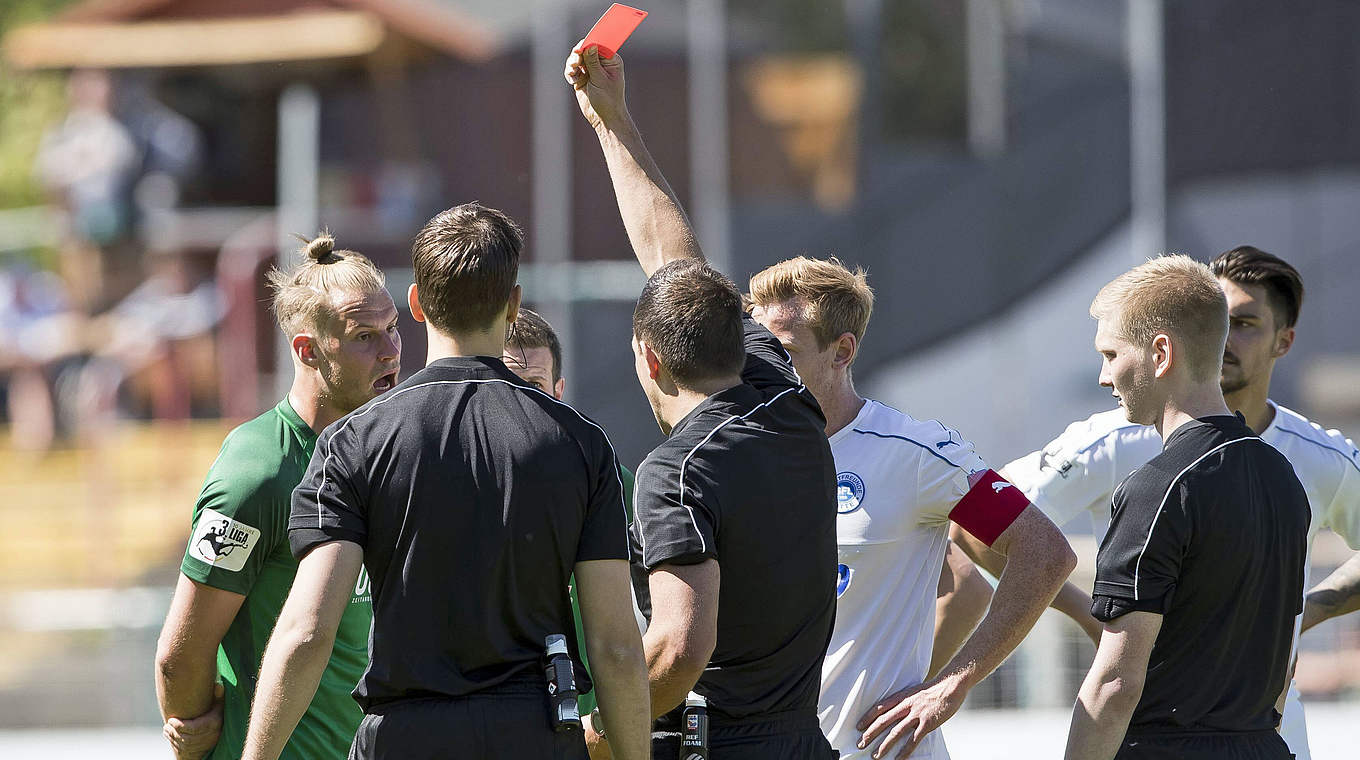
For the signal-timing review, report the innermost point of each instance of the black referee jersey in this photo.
(1211, 533)
(473, 495)
(747, 479)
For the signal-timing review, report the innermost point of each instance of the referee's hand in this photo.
(193, 738)
(598, 83)
(908, 715)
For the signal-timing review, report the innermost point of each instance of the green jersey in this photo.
(239, 543)
(587, 701)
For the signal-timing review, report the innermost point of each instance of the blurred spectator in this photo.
(168, 145)
(74, 345)
(155, 348)
(38, 334)
(89, 161)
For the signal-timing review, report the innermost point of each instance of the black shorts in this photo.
(1252, 745)
(510, 722)
(783, 736)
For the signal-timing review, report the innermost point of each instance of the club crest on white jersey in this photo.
(849, 492)
(222, 542)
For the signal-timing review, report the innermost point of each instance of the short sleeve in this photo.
(1077, 473)
(238, 521)
(1139, 562)
(671, 521)
(942, 474)
(605, 532)
(328, 505)
(768, 366)
(955, 484)
(1343, 514)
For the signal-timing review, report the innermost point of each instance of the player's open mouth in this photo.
(385, 382)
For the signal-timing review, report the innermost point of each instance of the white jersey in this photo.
(1078, 471)
(897, 481)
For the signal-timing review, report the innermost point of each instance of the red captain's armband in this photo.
(989, 507)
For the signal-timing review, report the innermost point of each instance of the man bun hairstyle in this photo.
(1175, 295)
(304, 296)
(838, 299)
(531, 330)
(690, 314)
(466, 262)
(1248, 265)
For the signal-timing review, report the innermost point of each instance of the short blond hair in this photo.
(1173, 295)
(838, 300)
(304, 296)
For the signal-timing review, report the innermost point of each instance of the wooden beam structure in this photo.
(312, 35)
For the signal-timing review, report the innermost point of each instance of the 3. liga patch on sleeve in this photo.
(221, 541)
(989, 507)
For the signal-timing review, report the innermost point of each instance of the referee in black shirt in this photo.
(471, 497)
(735, 512)
(1200, 576)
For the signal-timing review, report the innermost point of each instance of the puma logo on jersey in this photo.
(949, 442)
(997, 485)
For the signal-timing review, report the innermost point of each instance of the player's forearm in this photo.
(620, 674)
(1336, 595)
(1076, 604)
(658, 229)
(184, 682)
(981, 554)
(1028, 583)
(1070, 600)
(958, 610)
(289, 674)
(1100, 719)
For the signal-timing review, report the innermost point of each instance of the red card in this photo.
(613, 29)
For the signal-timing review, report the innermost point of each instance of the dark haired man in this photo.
(1078, 471)
(534, 352)
(736, 510)
(471, 498)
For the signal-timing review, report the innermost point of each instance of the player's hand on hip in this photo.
(598, 83)
(903, 718)
(193, 738)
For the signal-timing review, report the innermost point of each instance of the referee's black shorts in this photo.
(781, 736)
(509, 722)
(1247, 745)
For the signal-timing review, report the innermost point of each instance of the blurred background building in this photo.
(990, 162)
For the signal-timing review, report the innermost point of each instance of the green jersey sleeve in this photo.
(238, 522)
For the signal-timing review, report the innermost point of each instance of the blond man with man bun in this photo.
(342, 330)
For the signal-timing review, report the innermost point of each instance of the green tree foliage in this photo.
(29, 103)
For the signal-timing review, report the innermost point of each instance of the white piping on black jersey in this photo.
(1171, 486)
(684, 464)
(393, 394)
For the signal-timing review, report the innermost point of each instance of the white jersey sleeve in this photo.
(1328, 465)
(1343, 513)
(943, 477)
(1078, 471)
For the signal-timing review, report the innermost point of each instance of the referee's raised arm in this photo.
(657, 226)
